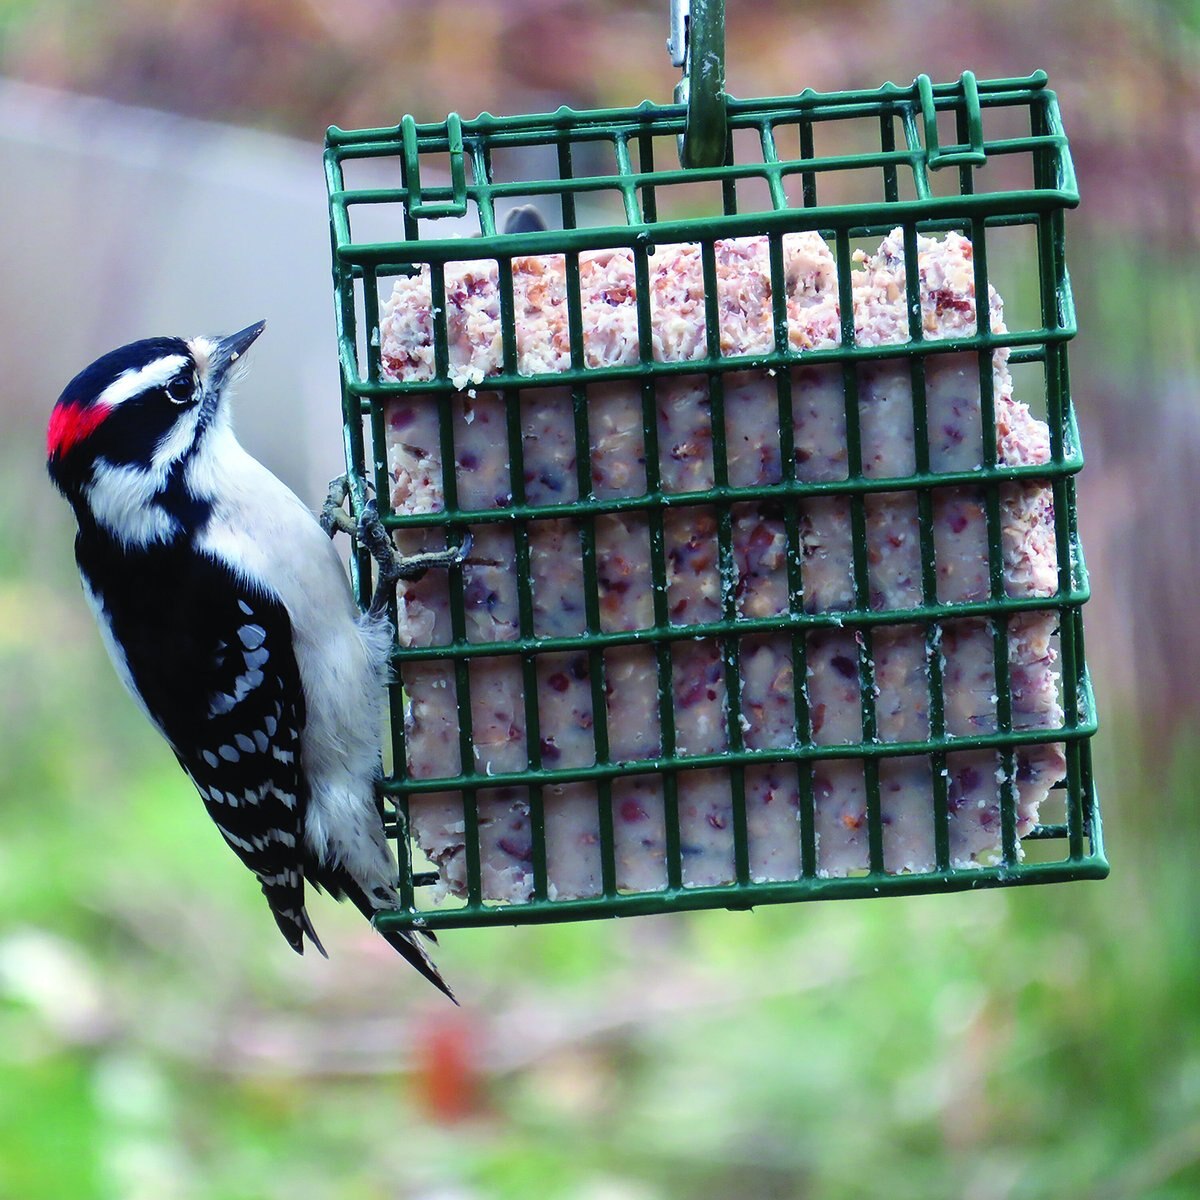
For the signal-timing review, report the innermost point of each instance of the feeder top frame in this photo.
(925, 111)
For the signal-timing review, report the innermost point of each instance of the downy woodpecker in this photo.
(228, 616)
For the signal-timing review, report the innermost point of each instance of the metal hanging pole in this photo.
(697, 44)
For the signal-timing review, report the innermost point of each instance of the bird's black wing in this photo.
(216, 669)
(245, 760)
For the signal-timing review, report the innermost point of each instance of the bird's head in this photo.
(125, 428)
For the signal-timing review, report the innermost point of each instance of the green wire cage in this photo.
(526, 743)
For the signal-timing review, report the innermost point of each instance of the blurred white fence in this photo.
(122, 223)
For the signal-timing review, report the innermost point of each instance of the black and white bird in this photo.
(228, 616)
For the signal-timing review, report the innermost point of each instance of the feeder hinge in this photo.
(697, 44)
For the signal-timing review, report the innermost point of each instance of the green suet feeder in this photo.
(626, 700)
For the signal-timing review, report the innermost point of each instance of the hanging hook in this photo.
(697, 44)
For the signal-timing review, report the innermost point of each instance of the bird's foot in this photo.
(334, 518)
(392, 565)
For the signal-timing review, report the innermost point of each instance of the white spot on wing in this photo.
(288, 878)
(252, 636)
(244, 684)
(229, 754)
(233, 839)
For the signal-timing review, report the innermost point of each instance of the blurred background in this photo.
(161, 167)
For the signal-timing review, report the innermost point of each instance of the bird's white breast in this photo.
(265, 533)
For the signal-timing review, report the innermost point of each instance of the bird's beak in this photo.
(228, 352)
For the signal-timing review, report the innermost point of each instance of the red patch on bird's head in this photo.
(71, 424)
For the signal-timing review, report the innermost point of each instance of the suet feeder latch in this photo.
(775, 584)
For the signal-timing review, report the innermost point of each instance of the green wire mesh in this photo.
(607, 177)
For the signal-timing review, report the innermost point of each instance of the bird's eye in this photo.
(181, 390)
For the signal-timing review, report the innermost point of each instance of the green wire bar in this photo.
(935, 153)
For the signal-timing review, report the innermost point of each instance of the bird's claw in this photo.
(334, 518)
(392, 565)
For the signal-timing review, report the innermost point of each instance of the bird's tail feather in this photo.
(339, 883)
(295, 926)
(307, 926)
(413, 952)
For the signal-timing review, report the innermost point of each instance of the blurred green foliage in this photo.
(158, 1039)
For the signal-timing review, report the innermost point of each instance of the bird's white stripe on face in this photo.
(177, 441)
(144, 379)
(124, 497)
(122, 500)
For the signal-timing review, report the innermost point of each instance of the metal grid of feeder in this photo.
(925, 161)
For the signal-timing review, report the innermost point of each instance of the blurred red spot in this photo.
(447, 1079)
